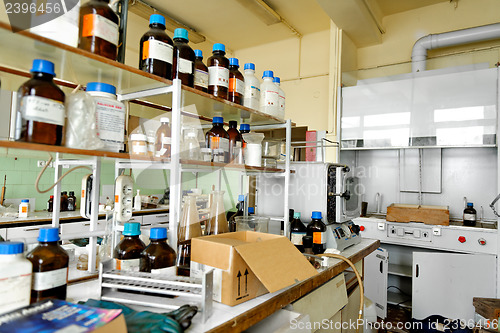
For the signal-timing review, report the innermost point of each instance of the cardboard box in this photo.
(248, 264)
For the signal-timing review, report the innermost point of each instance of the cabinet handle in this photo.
(382, 267)
(31, 229)
(417, 270)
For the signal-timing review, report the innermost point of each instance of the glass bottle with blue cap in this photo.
(41, 111)
(317, 229)
(200, 72)
(50, 267)
(156, 49)
(184, 57)
(127, 252)
(158, 255)
(236, 82)
(110, 115)
(218, 72)
(218, 138)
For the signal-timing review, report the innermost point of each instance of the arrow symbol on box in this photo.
(239, 280)
(246, 280)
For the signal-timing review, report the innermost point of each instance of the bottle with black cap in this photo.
(127, 252)
(158, 256)
(50, 267)
(156, 51)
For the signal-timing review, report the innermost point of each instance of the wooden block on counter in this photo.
(489, 308)
(438, 215)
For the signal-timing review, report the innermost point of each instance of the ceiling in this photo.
(236, 24)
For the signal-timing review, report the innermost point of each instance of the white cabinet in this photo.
(375, 280)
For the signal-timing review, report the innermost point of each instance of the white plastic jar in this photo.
(24, 208)
(281, 98)
(269, 95)
(138, 144)
(251, 98)
(110, 115)
(15, 277)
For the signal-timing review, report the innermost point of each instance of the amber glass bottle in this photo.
(71, 201)
(236, 82)
(156, 49)
(50, 267)
(158, 255)
(317, 229)
(218, 72)
(50, 204)
(64, 201)
(297, 231)
(217, 137)
(184, 57)
(163, 139)
(200, 72)
(189, 228)
(41, 104)
(235, 141)
(98, 29)
(128, 251)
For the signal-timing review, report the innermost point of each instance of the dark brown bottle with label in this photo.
(64, 201)
(317, 229)
(469, 216)
(236, 82)
(218, 72)
(127, 252)
(200, 72)
(98, 29)
(217, 137)
(41, 107)
(158, 255)
(71, 201)
(235, 141)
(184, 57)
(297, 231)
(50, 204)
(50, 267)
(156, 49)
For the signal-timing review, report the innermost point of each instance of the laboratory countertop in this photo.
(491, 225)
(240, 317)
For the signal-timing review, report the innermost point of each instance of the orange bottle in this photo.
(236, 82)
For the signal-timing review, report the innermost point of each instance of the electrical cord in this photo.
(402, 291)
(60, 178)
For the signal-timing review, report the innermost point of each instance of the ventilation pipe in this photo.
(452, 38)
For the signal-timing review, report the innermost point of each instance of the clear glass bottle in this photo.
(189, 228)
(191, 146)
(218, 72)
(158, 255)
(236, 89)
(470, 215)
(218, 222)
(317, 229)
(217, 137)
(235, 142)
(163, 139)
(127, 252)
(297, 231)
(184, 58)
(41, 106)
(156, 49)
(98, 29)
(200, 72)
(50, 267)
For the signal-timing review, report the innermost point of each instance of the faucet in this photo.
(377, 202)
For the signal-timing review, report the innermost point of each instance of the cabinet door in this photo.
(445, 283)
(375, 280)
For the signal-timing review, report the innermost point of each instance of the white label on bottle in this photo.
(218, 76)
(110, 120)
(104, 28)
(240, 87)
(296, 237)
(185, 66)
(50, 279)
(42, 109)
(252, 97)
(129, 265)
(165, 141)
(160, 50)
(201, 78)
(469, 217)
(165, 271)
(14, 292)
(224, 144)
(270, 98)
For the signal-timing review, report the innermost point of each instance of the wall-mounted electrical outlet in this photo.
(124, 186)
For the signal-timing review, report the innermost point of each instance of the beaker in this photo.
(218, 222)
(189, 227)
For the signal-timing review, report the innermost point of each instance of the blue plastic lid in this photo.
(219, 47)
(268, 74)
(181, 33)
(296, 215)
(101, 87)
(132, 229)
(11, 247)
(276, 80)
(48, 235)
(43, 66)
(234, 62)
(158, 233)
(244, 127)
(198, 53)
(249, 65)
(316, 216)
(217, 120)
(241, 197)
(157, 18)
(470, 204)
(251, 210)
(25, 200)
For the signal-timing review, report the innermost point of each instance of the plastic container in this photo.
(24, 208)
(110, 115)
(251, 97)
(189, 228)
(98, 29)
(252, 223)
(15, 277)
(253, 148)
(281, 99)
(183, 67)
(271, 149)
(41, 107)
(269, 95)
(127, 253)
(50, 267)
(191, 146)
(163, 143)
(217, 137)
(138, 144)
(470, 215)
(156, 49)
(236, 82)
(158, 257)
(218, 72)
(138, 201)
(200, 72)
(235, 143)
